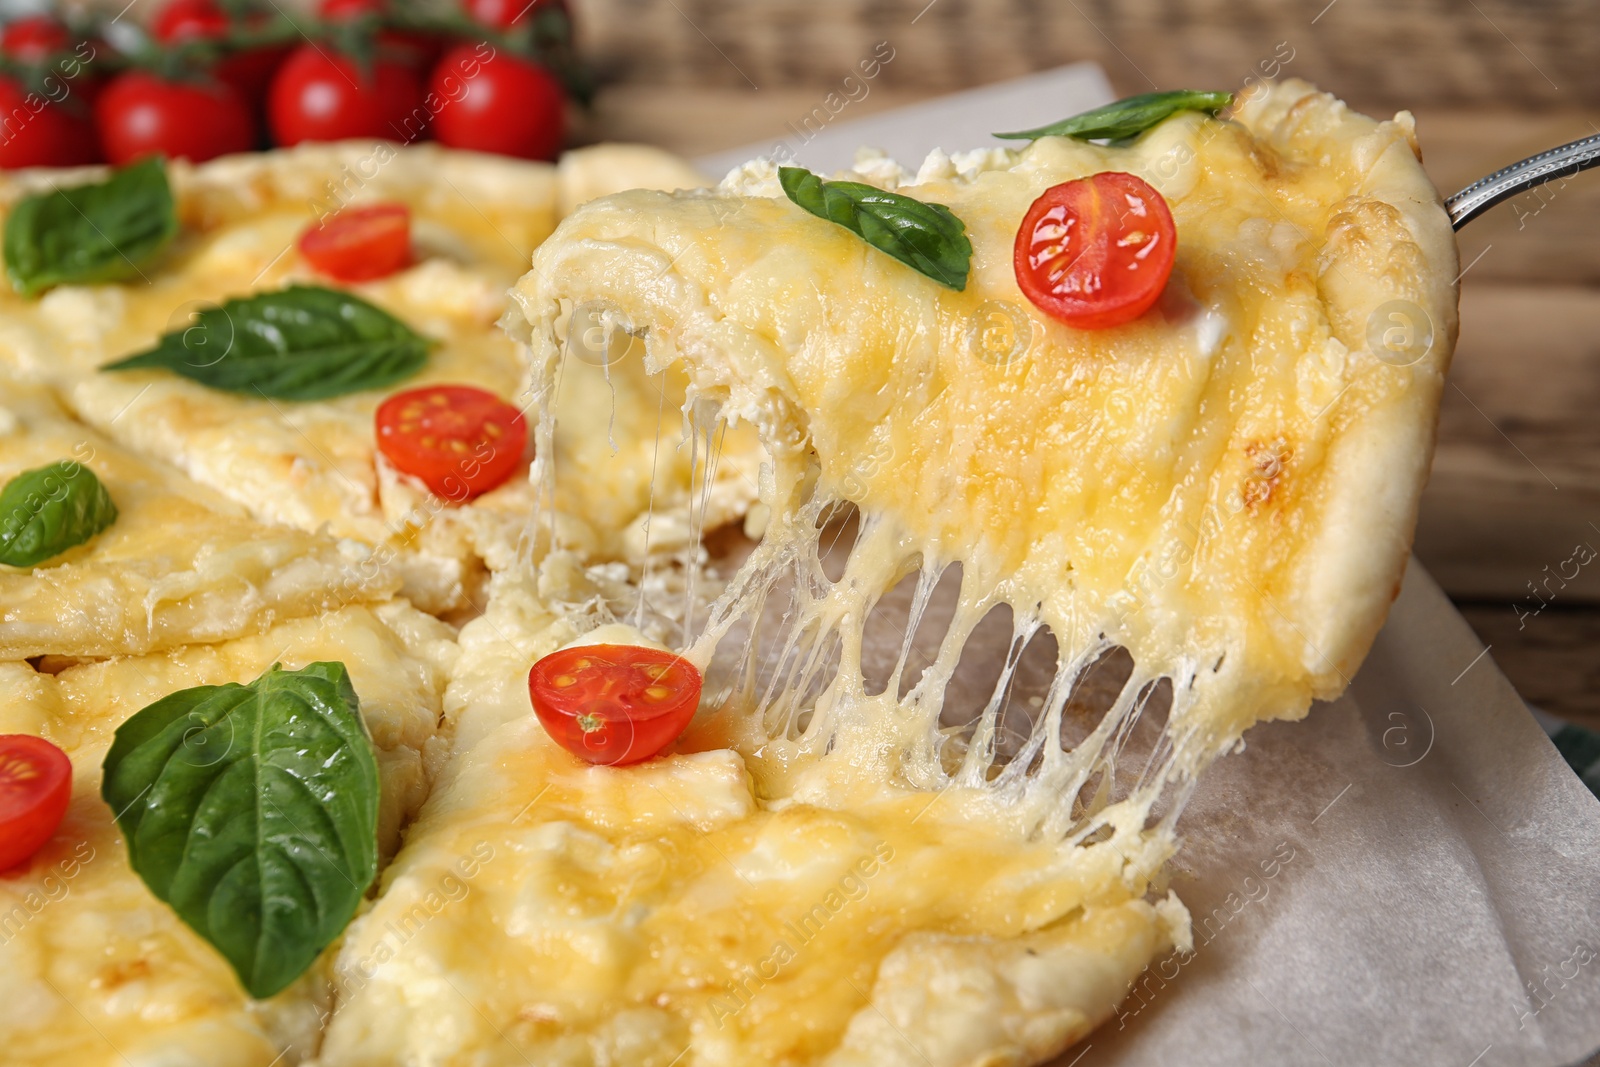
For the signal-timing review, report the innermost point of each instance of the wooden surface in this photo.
(1516, 482)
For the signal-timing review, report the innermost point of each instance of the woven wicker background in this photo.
(1382, 54)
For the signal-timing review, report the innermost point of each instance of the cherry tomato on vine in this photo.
(461, 441)
(350, 9)
(495, 102)
(506, 14)
(35, 132)
(614, 704)
(414, 48)
(319, 96)
(34, 38)
(140, 113)
(189, 20)
(35, 786)
(249, 70)
(1096, 251)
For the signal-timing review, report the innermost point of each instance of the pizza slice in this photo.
(898, 870)
(98, 970)
(179, 564)
(313, 464)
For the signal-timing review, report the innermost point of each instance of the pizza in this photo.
(894, 551)
(475, 222)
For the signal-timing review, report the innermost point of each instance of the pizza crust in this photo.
(1388, 241)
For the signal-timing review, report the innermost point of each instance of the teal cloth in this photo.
(1581, 749)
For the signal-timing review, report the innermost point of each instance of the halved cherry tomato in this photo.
(461, 441)
(1097, 251)
(35, 785)
(34, 38)
(359, 244)
(614, 704)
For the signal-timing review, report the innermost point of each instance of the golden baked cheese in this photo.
(96, 969)
(548, 911)
(181, 564)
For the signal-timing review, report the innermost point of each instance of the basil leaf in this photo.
(927, 237)
(1128, 117)
(47, 510)
(253, 811)
(301, 343)
(103, 232)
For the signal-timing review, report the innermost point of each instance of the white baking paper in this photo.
(1409, 876)
(954, 123)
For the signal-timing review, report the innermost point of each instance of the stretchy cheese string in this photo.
(794, 684)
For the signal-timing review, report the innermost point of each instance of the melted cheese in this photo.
(180, 564)
(96, 970)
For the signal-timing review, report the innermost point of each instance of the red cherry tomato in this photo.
(359, 244)
(336, 10)
(1097, 251)
(614, 704)
(249, 71)
(459, 440)
(504, 14)
(37, 133)
(35, 785)
(318, 96)
(495, 102)
(189, 20)
(34, 38)
(140, 113)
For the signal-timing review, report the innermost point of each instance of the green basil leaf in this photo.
(1128, 117)
(927, 237)
(47, 510)
(301, 343)
(253, 811)
(103, 232)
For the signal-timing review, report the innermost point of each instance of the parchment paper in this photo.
(1409, 876)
